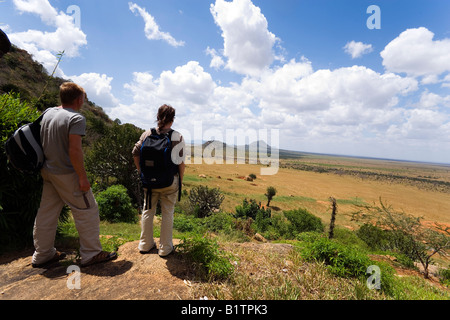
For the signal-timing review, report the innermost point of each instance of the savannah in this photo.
(242, 244)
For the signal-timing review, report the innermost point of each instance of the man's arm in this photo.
(137, 163)
(182, 168)
(77, 160)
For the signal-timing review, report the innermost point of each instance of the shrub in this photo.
(203, 201)
(289, 224)
(373, 236)
(220, 221)
(302, 221)
(255, 211)
(20, 194)
(184, 223)
(251, 209)
(115, 205)
(342, 260)
(444, 275)
(206, 254)
(278, 228)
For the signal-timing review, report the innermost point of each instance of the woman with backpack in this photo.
(159, 160)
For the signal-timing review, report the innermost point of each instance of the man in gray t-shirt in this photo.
(65, 182)
(56, 127)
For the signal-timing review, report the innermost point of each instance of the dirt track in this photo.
(131, 276)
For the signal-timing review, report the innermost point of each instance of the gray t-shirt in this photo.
(56, 126)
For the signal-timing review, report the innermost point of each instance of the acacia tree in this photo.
(423, 242)
(271, 192)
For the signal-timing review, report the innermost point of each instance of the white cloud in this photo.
(415, 53)
(98, 89)
(188, 83)
(216, 60)
(421, 124)
(188, 88)
(430, 100)
(152, 31)
(296, 88)
(44, 45)
(248, 44)
(357, 49)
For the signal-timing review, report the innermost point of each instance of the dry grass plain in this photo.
(418, 189)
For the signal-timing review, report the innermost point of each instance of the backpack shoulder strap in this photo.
(169, 134)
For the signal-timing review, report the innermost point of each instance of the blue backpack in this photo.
(157, 167)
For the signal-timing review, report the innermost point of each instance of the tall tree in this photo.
(110, 161)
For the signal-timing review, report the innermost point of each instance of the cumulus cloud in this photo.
(430, 100)
(189, 88)
(44, 45)
(98, 89)
(357, 49)
(152, 31)
(296, 88)
(216, 60)
(248, 44)
(415, 53)
(421, 124)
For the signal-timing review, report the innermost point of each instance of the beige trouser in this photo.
(57, 191)
(168, 197)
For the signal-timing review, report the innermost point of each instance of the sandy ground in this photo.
(132, 276)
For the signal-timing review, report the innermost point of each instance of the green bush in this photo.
(342, 260)
(303, 221)
(378, 239)
(287, 225)
(184, 223)
(203, 200)
(115, 205)
(19, 194)
(206, 254)
(444, 275)
(374, 237)
(279, 228)
(254, 210)
(220, 221)
(251, 209)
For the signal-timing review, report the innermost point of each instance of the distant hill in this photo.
(251, 150)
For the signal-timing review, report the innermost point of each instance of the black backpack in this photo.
(24, 148)
(157, 167)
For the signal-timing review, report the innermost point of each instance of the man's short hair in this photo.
(69, 92)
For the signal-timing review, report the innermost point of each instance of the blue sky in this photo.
(311, 69)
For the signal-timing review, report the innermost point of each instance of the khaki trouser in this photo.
(168, 197)
(59, 190)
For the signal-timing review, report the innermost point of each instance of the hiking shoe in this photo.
(57, 257)
(164, 252)
(100, 258)
(147, 252)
